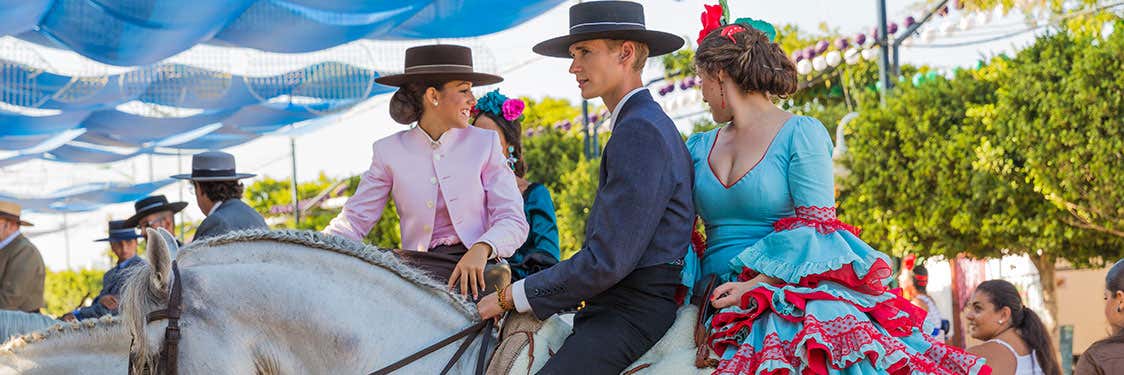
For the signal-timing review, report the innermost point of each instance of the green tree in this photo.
(929, 175)
(266, 194)
(551, 153)
(1060, 112)
(63, 291)
(573, 201)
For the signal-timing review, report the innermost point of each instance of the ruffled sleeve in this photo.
(812, 245)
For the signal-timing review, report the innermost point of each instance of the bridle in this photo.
(169, 351)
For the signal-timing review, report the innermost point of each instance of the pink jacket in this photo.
(467, 164)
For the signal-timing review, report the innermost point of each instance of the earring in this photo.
(1118, 309)
(434, 103)
(510, 149)
(722, 91)
(1000, 322)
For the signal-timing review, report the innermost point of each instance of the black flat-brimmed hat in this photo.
(152, 204)
(441, 63)
(622, 20)
(212, 166)
(120, 231)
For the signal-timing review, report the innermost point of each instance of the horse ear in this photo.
(160, 249)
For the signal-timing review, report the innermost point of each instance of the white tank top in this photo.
(932, 323)
(1024, 364)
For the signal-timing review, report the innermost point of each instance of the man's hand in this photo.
(109, 301)
(489, 307)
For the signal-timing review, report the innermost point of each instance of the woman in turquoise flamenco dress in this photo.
(800, 293)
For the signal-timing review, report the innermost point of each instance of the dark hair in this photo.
(920, 282)
(220, 190)
(1025, 321)
(754, 62)
(407, 104)
(1113, 282)
(513, 134)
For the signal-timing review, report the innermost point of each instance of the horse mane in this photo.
(87, 331)
(383, 258)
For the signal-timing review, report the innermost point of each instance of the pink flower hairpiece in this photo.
(513, 109)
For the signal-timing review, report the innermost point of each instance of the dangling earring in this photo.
(722, 91)
(1118, 309)
(511, 159)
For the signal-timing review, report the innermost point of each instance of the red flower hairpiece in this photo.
(712, 18)
(908, 262)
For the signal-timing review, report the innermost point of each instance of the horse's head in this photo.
(147, 290)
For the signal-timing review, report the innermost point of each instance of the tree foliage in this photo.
(63, 291)
(1059, 112)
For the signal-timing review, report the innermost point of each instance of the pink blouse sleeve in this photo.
(364, 208)
(507, 223)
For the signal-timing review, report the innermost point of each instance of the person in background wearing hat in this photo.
(639, 227)
(457, 199)
(219, 195)
(21, 267)
(123, 242)
(155, 212)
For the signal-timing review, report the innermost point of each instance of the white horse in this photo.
(92, 346)
(271, 302)
(14, 323)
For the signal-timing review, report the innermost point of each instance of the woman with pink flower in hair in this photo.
(457, 199)
(498, 113)
(798, 291)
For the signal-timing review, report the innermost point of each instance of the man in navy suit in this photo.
(640, 224)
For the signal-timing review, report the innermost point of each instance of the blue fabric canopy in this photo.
(177, 85)
(141, 32)
(243, 108)
(87, 197)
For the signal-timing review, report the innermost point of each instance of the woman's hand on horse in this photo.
(730, 294)
(469, 273)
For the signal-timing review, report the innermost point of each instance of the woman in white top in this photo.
(914, 281)
(1016, 341)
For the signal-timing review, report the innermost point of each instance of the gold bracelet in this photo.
(503, 304)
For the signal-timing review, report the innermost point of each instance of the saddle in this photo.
(704, 288)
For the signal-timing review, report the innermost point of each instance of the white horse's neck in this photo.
(306, 303)
(92, 347)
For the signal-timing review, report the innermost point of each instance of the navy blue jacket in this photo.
(232, 215)
(111, 284)
(642, 215)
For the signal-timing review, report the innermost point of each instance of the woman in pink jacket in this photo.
(456, 197)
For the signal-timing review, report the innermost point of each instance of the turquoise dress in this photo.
(833, 313)
(541, 248)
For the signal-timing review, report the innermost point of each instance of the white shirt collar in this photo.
(213, 208)
(11, 238)
(617, 110)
